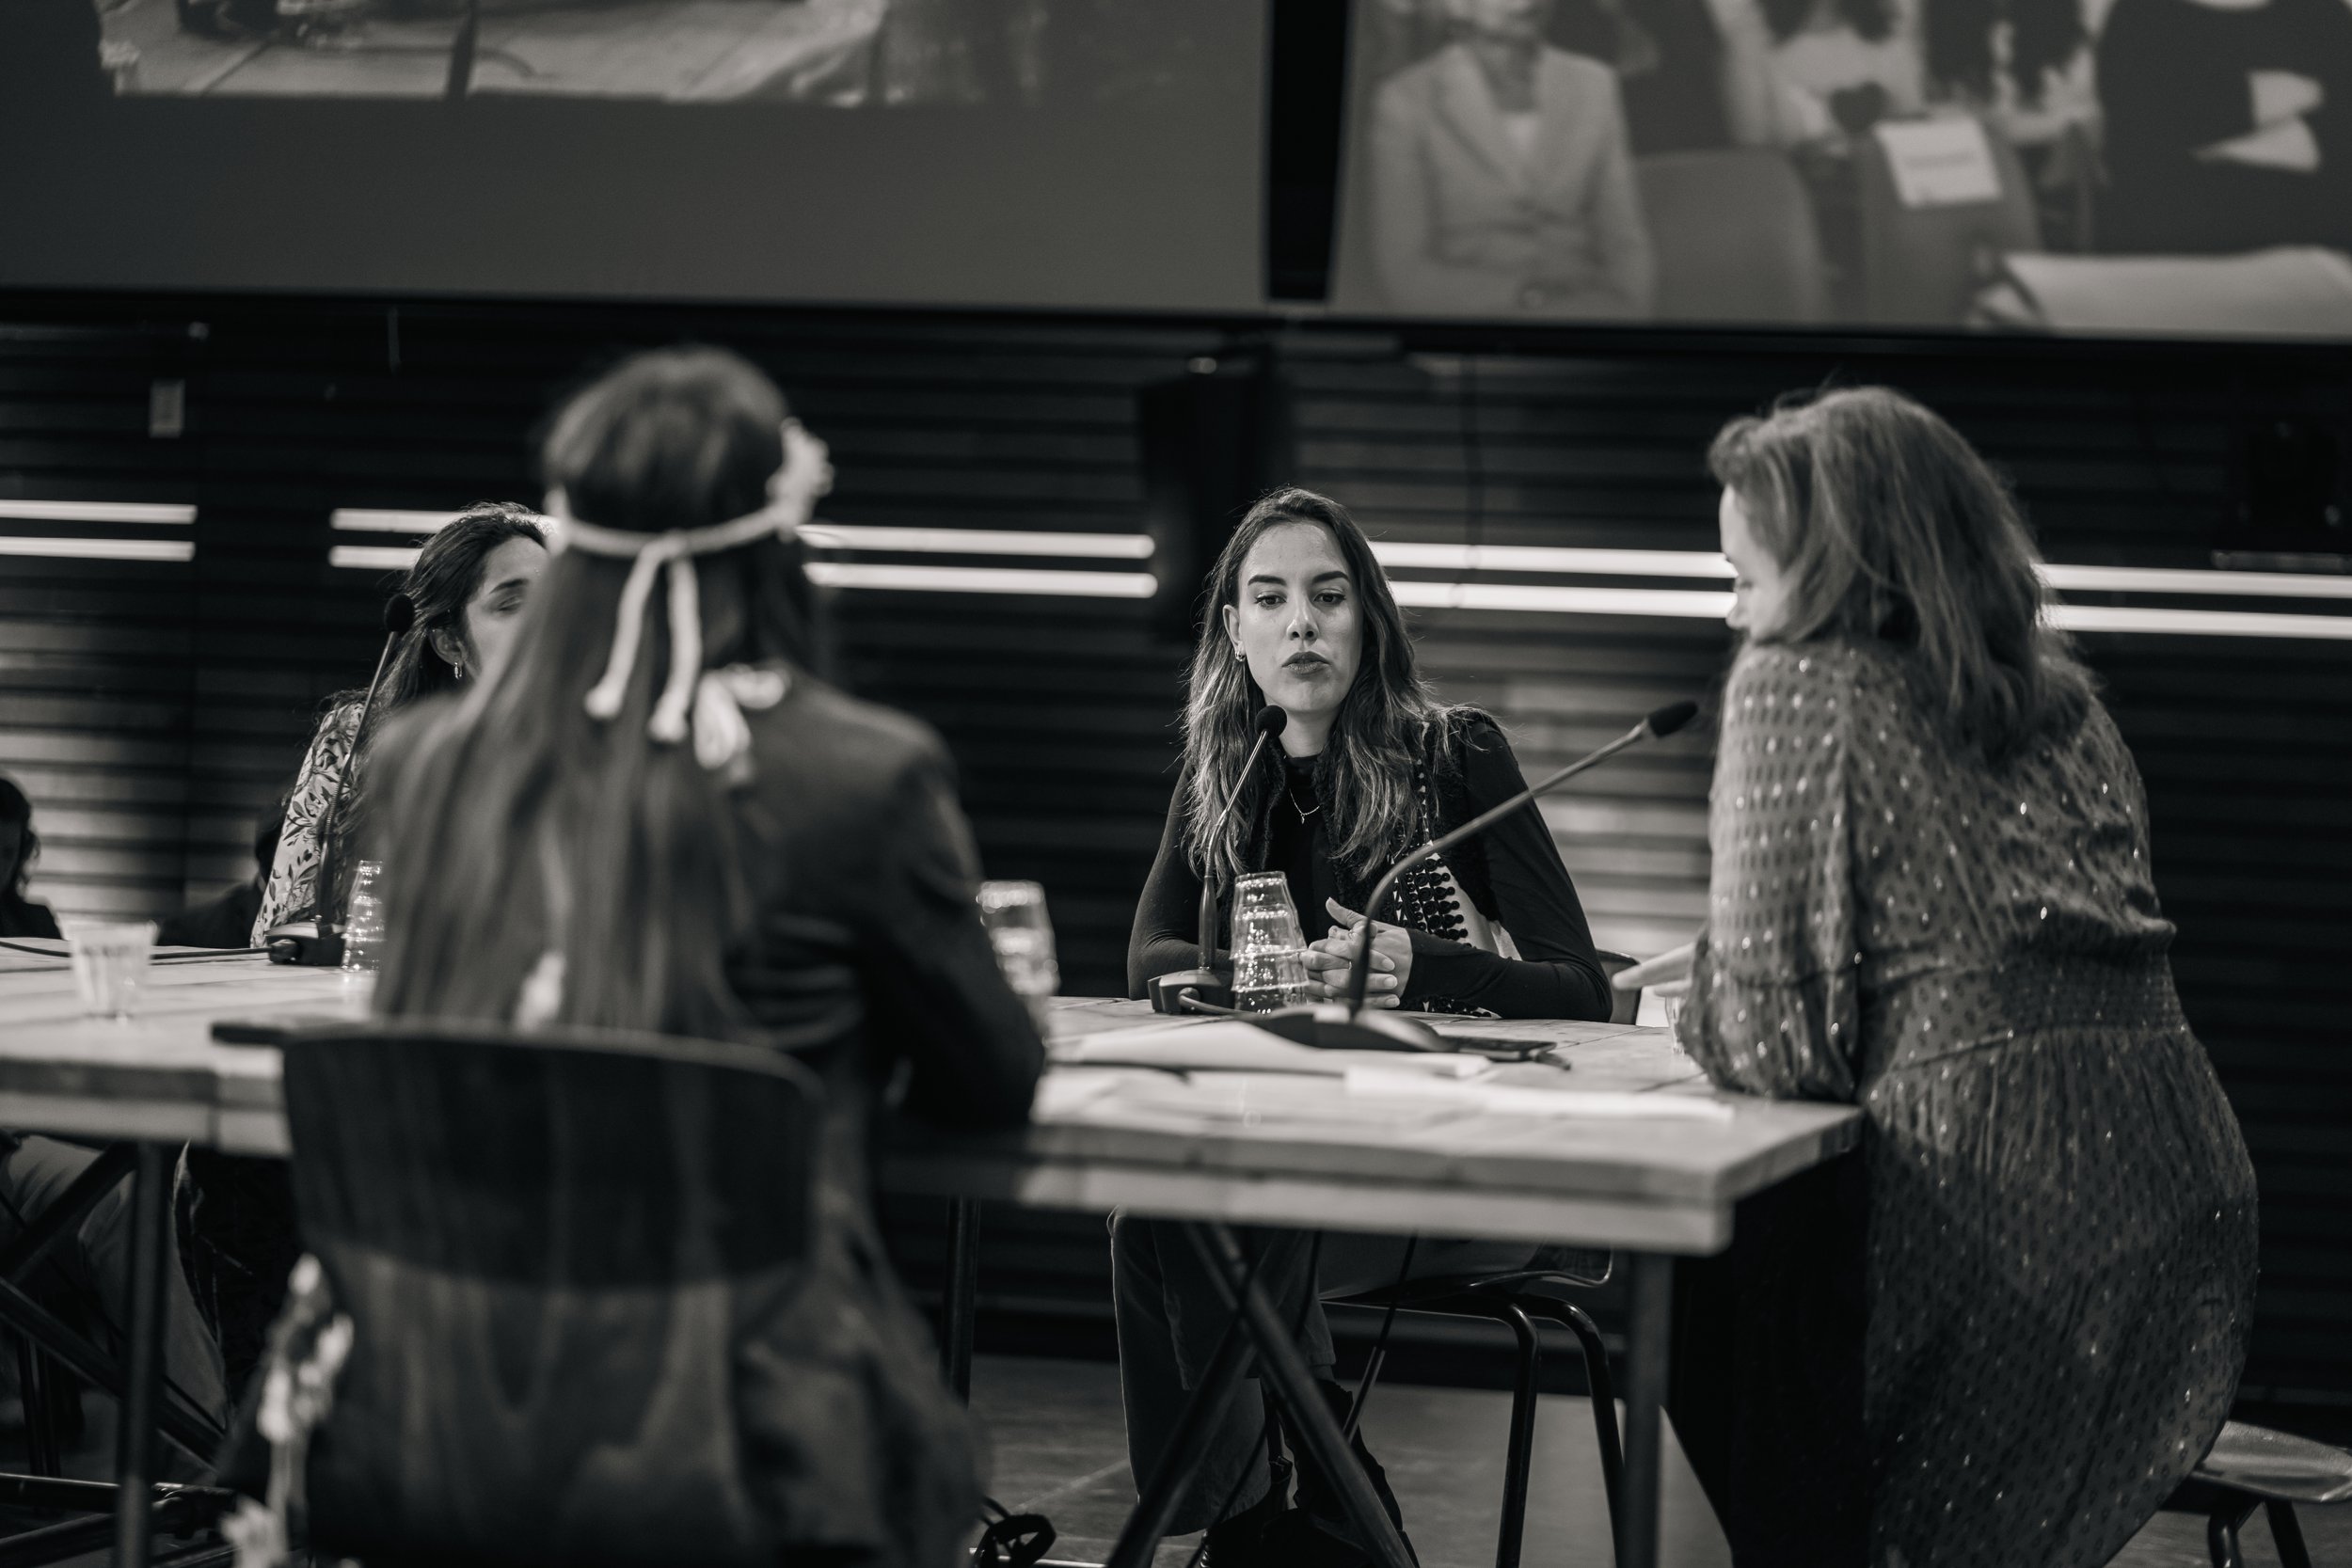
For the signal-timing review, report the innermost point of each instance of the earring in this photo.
(1239, 655)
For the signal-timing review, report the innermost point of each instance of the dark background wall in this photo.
(150, 708)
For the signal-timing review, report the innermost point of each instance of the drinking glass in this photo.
(1018, 930)
(1269, 947)
(109, 961)
(363, 925)
(1670, 994)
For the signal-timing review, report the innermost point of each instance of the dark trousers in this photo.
(85, 1278)
(1171, 1315)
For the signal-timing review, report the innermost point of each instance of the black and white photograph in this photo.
(1175, 783)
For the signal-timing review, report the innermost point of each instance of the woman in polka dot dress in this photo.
(1932, 899)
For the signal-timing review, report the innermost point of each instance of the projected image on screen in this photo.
(2097, 165)
(1093, 154)
(843, 52)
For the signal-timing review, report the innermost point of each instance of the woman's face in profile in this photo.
(1759, 589)
(1299, 620)
(495, 612)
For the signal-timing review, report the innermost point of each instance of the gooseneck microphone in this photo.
(319, 941)
(1351, 1026)
(1168, 990)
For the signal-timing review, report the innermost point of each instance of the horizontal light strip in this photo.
(99, 549)
(2199, 623)
(362, 520)
(981, 541)
(1707, 564)
(154, 514)
(1546, 557)
(2173, 579)
(1562, 599)
(983, 579)
(373, 558)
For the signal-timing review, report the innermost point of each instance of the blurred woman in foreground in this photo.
(1932, 899)
(656, 817)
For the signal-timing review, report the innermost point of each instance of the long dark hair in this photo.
(2043, 35)
(442, 580)
(1891, 528)
(1387, 722)
(521, 825)
(17, 807)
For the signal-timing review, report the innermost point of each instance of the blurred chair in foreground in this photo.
(557, 1261)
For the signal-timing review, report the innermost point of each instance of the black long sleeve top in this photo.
(1512, 872)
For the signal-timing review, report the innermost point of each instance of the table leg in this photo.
(1156, 1503)
(958, 1297)
(1295, 1386)
(1647, 1342)
(143, 1322)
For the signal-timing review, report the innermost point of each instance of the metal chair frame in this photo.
(1517, 1300)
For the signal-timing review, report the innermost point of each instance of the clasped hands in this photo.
(1330, 960)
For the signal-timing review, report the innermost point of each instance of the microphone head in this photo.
(1666, 721)
(400, 613)
(1270, 720)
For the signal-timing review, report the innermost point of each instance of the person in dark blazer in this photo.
(655, 816)
(1501, 179)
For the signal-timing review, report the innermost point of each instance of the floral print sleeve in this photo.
(292, 886)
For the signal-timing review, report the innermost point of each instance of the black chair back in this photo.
(545, 1244)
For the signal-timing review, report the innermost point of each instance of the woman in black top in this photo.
(1370, 765)
(2228, 126)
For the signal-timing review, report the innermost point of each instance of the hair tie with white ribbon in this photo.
(706, 703)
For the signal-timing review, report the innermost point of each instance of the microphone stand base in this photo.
(312, 943)
(1206, 985)
(1329, 1027)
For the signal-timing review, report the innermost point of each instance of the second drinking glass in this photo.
(1269, 947)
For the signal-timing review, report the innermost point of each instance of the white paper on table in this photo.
(1222, 1045)
(1939, 162)
(1519, 1100)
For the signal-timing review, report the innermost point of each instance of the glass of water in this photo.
(1022, 935)
(109, 961)
(1269, 947)
(363, 923)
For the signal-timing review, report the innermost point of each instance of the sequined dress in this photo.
(2057, 1279)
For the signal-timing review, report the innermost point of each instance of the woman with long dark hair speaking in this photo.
(468, 585)
(1932, 899)
(656, 817)
(1370, 764)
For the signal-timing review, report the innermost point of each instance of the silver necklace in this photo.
(1293, 798)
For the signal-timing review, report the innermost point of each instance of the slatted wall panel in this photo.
(2245, 743)
(94, 653)
(158, 705)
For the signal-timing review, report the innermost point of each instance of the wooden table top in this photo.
(1272, 1147)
